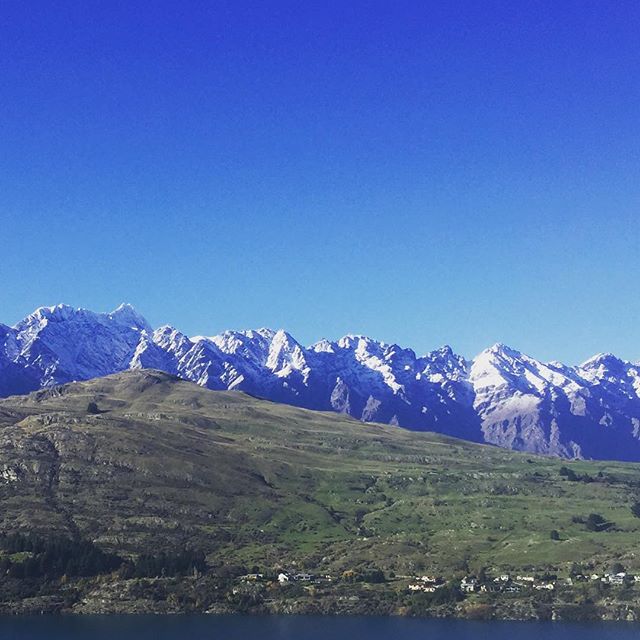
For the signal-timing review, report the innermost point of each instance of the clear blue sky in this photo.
(422, 172)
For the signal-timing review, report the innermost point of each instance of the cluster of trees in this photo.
(33, 556)
(41, 557)
(370, 574)
(594, 522)
(445, 595)
(183, 563)
(571, 475)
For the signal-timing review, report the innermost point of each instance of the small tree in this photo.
(554, 535)
(373, 575)
(635, 509)
(569, 474)
(92, 408)
(595, 522)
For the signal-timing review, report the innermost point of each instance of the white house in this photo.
(614, 578)
(422, 586)
(469, 585)
(303, 577)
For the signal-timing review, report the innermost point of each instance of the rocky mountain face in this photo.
(502, 396)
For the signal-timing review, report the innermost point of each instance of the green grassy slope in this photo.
(167, 464)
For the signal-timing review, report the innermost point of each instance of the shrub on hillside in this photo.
(595, 522)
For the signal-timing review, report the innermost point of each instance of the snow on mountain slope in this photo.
(586, 411)
(62, 343)
(516, 399)
(502, 396)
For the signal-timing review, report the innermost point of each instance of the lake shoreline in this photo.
(194, 596)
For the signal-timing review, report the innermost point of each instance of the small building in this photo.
(252, 577)
(469, 584)
(422, 587)
(303, 577)
(283, 578)
(491, 588)
(614, 578)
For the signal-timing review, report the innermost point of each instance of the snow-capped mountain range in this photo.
(501, 397)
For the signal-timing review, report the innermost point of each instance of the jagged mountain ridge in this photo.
(502, 396)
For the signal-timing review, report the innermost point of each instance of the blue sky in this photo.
(422, 172)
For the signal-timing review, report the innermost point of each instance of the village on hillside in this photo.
(430, 584)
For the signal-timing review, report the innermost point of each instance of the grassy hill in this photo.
(164, 464)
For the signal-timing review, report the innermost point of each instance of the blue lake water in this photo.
(202, 627)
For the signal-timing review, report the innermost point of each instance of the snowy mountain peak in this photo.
(323, 346)
(445, 359)
(42, 315)
(353, 341)
(502, 350)
(127, 315)
(286, 355)
(444, 351)
(606, 360)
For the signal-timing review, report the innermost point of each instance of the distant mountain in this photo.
(502, 396)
